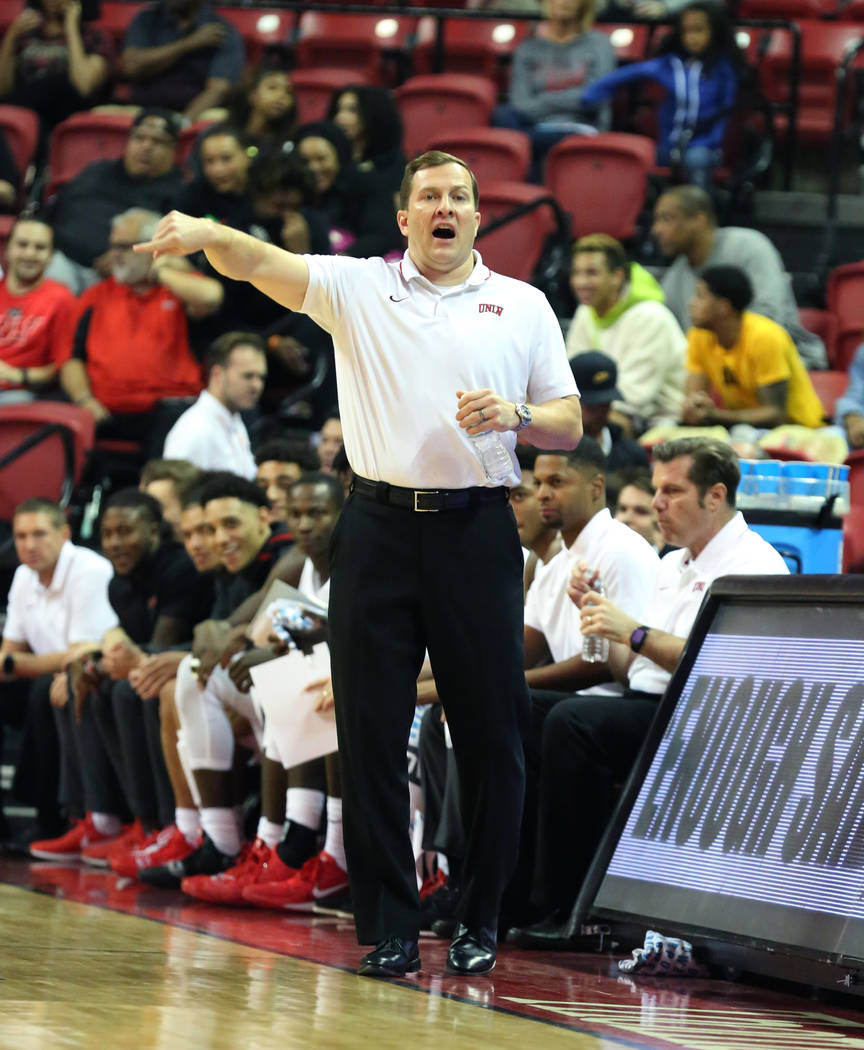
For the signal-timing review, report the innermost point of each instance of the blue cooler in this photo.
(798, 507)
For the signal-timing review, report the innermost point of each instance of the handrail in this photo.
(842, 78)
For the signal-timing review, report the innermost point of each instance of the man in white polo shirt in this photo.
(589, 744)
(431, 352)
(211, 434)
(58, 598)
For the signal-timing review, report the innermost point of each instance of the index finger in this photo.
(145, 246)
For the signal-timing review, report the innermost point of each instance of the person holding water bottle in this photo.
(430, 350)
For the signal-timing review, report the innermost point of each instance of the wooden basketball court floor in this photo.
(89, 961)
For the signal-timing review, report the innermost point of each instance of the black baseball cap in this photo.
(172, 121)
(596, 375)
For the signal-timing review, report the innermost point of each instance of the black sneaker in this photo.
(206, 860)
(442, 904)
(338, 904)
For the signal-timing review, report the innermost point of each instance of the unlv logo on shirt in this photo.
(490, 308)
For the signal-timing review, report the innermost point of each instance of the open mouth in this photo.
(444, 233)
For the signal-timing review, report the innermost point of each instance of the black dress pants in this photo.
(88, 780)
(589, 744)
(442, 821)
(145, 776)
(402, 582)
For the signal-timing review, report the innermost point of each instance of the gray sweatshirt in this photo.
(547, 78)
(752, 252)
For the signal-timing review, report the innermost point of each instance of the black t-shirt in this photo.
(85, 206)
(233, 589)
(164, 583)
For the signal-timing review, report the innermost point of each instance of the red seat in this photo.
(823, 46)
(9, 11)
(370, 45)
(855, 463)
(493, 154)
(115, 16)
(630, 41)
(601, 180)
(516, 247)
(313, 89)
(785, 9)
(83, 138)
(845, 299)
(43, 447)
(21, 127)
(853, 10)
(6, 224)
(263, 28)
(473, 45)
(439, 103)
(829, 386)
(824, 324)
(853, 540)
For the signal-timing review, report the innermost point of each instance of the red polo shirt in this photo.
(135, 347)
(33, 326)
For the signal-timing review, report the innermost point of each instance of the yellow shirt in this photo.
(764, 354)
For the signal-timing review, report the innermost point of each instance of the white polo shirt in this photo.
(404, 346)
(683, 581)
(74, 607)
(212, 438)
(628, 566)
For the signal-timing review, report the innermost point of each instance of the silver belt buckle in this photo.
(425, 492)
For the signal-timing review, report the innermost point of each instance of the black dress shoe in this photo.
(472, 952)
(550, 934)
(392, 957)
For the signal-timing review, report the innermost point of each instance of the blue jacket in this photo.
(692, 100)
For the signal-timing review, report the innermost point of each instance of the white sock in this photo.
(270, 832)
(106, 823)
(221, 825)
(187, 822)
(333, 843)
(304, 806)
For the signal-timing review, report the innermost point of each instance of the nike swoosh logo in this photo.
(328, 892)
(393, 299)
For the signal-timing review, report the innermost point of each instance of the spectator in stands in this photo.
(220, 191)
(358, 203)
(634, 505)
(582, 746)
(749, 362)
(181, 55)
(550, 73)
(264, 110)
(697, 70)
(329, 441)
(596, 377)
(142, 308)
(540, 540)
(35, 313)
(370, 119)
(211, 434)
(145, 177)
(58, 602)
(168, 481)
(280, 463)
(53, 63)
(849, 409)
(282, 190)
(621, 313)
(685, 225)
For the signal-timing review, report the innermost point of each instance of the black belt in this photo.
(426, 499)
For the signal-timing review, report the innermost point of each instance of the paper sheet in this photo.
(302, 732)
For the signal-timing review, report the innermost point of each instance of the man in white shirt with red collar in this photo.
(211, 434)
(588, 748)
(430, 352)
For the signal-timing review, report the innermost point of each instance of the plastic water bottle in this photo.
(595, 649)
(493, 455)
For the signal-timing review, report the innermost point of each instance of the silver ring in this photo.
(482, 415)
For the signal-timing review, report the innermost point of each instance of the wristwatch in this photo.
(637, 638)
(524, 414)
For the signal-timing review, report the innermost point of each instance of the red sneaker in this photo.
(167, 845)
(99, 855)
(320, 877)
(79, 837)
(227, 887)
